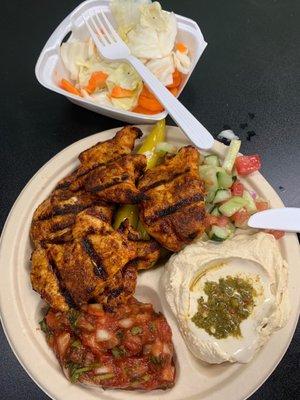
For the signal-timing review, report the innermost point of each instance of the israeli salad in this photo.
(150, 33)
(228, 203)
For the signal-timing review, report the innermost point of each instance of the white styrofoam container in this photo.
(50, 69)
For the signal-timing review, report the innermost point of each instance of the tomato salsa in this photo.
(128, 348)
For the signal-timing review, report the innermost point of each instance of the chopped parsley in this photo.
(229, 302)
(73, 317)
(135, 330)
(155, 360)
(76, 370)
(152, 327)
(118, 352)
(76, 344)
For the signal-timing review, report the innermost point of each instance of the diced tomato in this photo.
(53, 320)
(277, 234)
(168, 373)
(133, 343)
(163, 330)
(237, 189)
(221, 221)
(240, 217)
(157, 348)
(262, 205)
(245, 165)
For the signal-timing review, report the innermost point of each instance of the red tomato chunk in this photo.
(237, 189)
(277, 234)
(245, 165)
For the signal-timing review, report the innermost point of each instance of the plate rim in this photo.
(218, 147)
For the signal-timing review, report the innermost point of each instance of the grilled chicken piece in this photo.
(147, 251)
(45, 282)
(86, 265)
(115, 182)
(54, 218)
(98, 263)
(101, 154)
(173, 207)
(119, 289)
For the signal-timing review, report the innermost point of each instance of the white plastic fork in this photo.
(112, 47)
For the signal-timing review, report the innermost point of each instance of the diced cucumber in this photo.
(250, 205)
(221, 195)
(164, 147)
(229, 160)
(232, 206)
(215, 211)
(209, 175)
(210, 196)
(225, 180)
(209, 207)
(218, 233)
(204, 237)
(212, 159)
(231, 228)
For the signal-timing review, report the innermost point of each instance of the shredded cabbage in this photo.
(182, 62)
(73, 53)
(126, 77)
(154, 36)
(126, 13)
(163, 69)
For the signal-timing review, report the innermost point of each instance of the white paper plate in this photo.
(20, 305)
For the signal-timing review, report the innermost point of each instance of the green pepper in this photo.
(156, 136)
(130, 211)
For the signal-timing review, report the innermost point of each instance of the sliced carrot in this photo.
(177, 79)
(141, 110)
(66, 85)
(119, 92)
(174, 91)
(181, 47)
(146, 92)
(148, 101)
(97, 81)
(150, 104)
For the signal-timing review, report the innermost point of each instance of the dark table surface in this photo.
(251, 65)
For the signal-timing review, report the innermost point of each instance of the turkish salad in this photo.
(150, 33)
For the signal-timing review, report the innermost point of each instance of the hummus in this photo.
(253, 258)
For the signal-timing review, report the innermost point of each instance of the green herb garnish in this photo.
(73, 316)
(76, 344)
(104, 377)
(44, 327)
(229, 302)
(142, 379)
(135, 330)
(120, 335)
(118, 352)
(155, 360)
(76, 370)
(152, 327)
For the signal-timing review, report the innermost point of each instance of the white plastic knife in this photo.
(283, 219)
